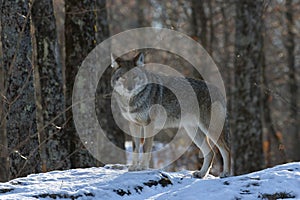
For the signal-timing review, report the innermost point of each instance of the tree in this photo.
(18, 94)
(103, 104)
(4, 158)
(292, 82)
(271, 134)
(48, 87)
(199, 22)
(84, 30)
(248, 153)
(142, 17)
(80, 40)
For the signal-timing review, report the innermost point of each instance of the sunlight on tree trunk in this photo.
(48, 88)
(20, 103)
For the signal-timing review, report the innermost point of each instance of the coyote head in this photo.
(129, 76)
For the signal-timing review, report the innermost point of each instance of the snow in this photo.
(115, 182)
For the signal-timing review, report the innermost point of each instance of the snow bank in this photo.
(115, 182)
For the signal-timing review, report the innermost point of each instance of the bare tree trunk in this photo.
(103, 105)
(211, 28)
(80, 40)
(20, 102)
(48, 88)
(271, 134)
(294, 117)
(141, 7)
(39, 109)
(4, 157)
(226, 57)
(248, 152)
(199, 20)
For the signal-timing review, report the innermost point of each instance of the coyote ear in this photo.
(114, 64)
(140, 60)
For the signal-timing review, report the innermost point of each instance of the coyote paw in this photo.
(224, 174)
(199, 174)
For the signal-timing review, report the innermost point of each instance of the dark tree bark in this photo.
(50, 116)
(80, 40)
(4, 158)
(19, 105)
(141, 7)
(274, 142)
(226, 56)
(199, 22)
(211, 28)
(199, 27)
(247, 145)
(86, 25)
(103, 104)
(102, 32)
(293, 87)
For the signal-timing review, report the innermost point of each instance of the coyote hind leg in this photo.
(225, 152)
(222, 141)
(201, 141)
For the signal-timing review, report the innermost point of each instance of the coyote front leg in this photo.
(136, 132)
(147, 147)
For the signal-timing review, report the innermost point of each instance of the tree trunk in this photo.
(48, 88)
(199, 20)
(141, 8)
(80, 40)
(83, 31)
(270, 135)
(293, 87)
(248, 152)
(4, 157)
(20, 103)
(103, 105)
(226, 57)
(211, 28)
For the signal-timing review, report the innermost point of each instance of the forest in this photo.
(43, 43)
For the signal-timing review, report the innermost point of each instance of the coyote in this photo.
(135, 95)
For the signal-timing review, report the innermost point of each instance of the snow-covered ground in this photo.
(115, 182)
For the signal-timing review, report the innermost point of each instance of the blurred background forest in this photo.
(255, 44)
